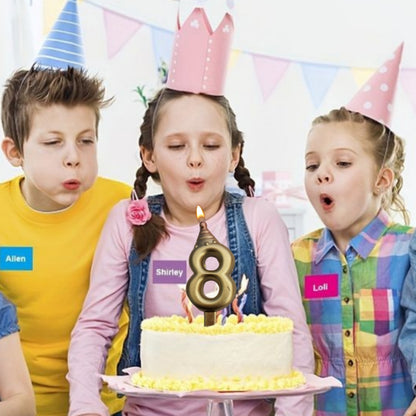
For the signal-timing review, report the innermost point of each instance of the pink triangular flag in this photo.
(119, 30)
(269, 72)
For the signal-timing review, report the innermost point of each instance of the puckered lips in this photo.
(326, 201)
(72, 184)
(195, 184)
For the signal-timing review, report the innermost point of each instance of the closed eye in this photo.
(88, 140)
(311, 167)
(176, 146)
(51, 142)
(211, 146)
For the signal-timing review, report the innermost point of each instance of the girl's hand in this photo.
(411, 410)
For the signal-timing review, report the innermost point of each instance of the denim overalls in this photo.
(241, 245)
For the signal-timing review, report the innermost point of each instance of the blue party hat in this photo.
(63, 46)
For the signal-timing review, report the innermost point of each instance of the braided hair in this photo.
(147, 236)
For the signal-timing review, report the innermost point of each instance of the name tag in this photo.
(16, 258)
(319, 286)
(169, 271)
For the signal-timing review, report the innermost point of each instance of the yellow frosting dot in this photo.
(290, 381)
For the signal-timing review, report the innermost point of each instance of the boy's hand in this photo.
(411, 410)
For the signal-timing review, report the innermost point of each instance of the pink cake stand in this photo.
(219, 403)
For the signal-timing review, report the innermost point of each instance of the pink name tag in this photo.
(319, 286)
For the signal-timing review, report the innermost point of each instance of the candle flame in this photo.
(199, 213)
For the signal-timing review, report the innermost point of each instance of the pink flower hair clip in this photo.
(138, 212)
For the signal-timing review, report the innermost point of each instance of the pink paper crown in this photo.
(375, 99)
(200, 54)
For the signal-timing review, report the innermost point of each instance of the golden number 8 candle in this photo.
(207, 246)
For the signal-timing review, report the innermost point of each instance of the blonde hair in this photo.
(387, 149)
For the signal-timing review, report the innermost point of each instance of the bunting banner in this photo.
(234, 56)
(162, 45)
(119, 30)
(361, 75)
(319, 79)
(51, 10)
(269, 70)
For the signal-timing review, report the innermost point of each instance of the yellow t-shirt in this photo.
(45, 261)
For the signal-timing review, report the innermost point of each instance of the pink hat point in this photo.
(375, 99)
(201, 53)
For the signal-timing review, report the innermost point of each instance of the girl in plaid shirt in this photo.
(351, 272)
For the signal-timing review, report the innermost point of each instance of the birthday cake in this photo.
(255, 354)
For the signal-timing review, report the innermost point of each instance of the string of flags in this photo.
(64, 44)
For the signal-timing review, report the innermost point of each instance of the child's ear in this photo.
(11, 152)
(148, 160)
(235, 153)
(384, 181)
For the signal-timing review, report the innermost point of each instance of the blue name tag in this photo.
(16, 258)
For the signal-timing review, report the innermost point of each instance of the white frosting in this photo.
(183, 355)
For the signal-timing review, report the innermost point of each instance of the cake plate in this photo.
(218, 403)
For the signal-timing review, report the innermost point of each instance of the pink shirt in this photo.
(97, 324)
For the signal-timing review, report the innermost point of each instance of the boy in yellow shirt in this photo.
(51, 217)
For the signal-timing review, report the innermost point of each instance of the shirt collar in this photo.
(363, 243)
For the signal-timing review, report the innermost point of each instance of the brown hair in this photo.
(388, 151)
(147, 236)
(27, 90)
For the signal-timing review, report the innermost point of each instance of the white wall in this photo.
(347, 33)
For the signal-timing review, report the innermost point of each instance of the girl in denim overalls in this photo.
(189, 143)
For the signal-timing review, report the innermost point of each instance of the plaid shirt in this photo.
(352, 303)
